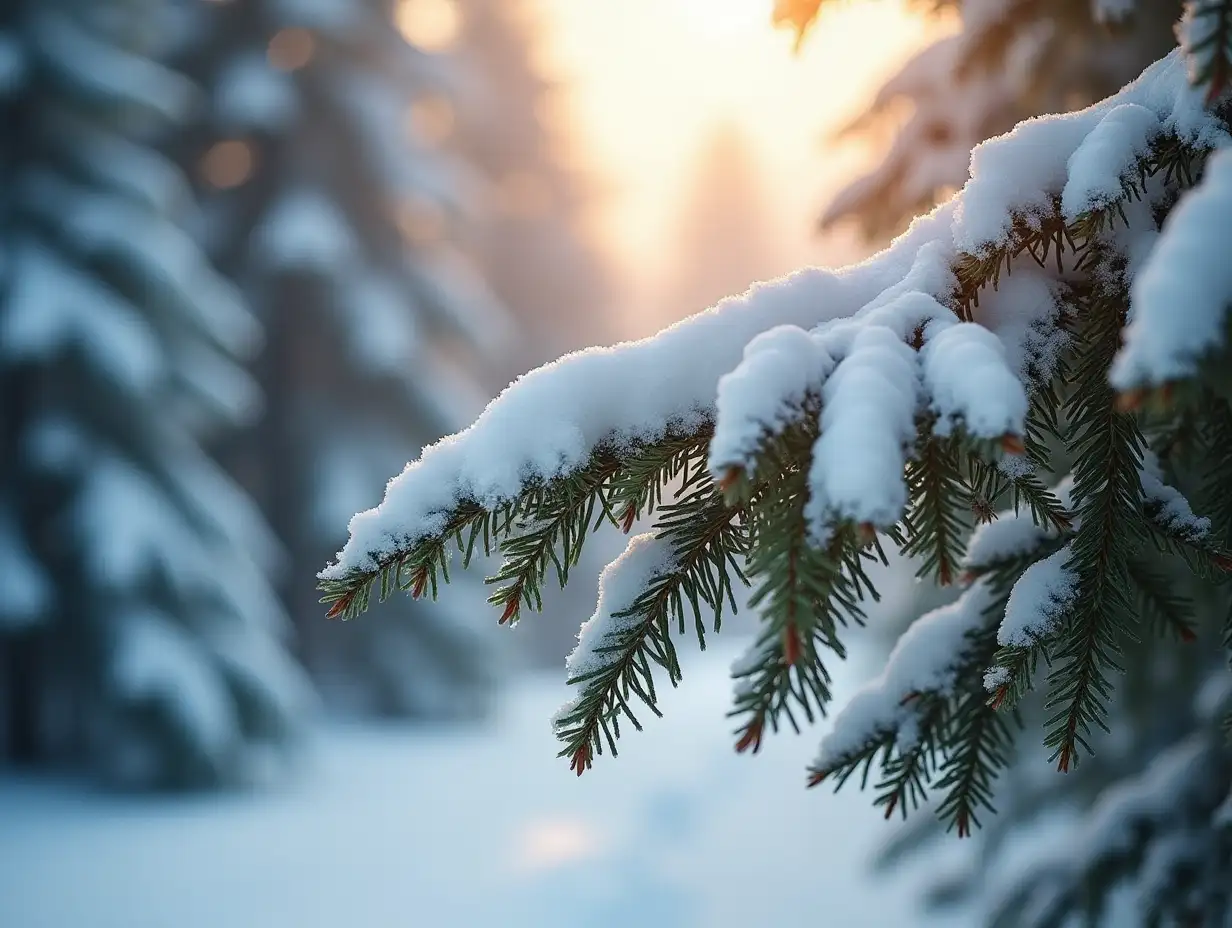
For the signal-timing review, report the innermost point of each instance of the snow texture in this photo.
(1018, 174)
(1180, 297)
(645, 559)
(550, 421)
(764, 394)
(867, 427)
(971, 383)
(1038, 601)
(655, 844)
(925, 660)
(1173, 511)
(1107, 154)
(1011, 535)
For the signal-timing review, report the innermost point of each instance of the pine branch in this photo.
(1107, 446)
(1172, 612)
(635, 475)
(976, 748)
(705, 537)
(935, 525)
(802, 592)
(554, 535)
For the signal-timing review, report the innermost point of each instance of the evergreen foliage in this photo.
(1009, 60)
(138, 635)
(333, 197)
(1064, 316)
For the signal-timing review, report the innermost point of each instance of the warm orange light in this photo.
(432, 119)
(429, 24)
(292, 48)
(523, 194)
(228, 164)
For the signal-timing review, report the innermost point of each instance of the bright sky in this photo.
(652, 78)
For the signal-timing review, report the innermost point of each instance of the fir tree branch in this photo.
(1172, 612)
(705, 537)
(1107, 446)
(939, 497)
(803, 593)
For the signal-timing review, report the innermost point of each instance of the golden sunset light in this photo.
(650, 80)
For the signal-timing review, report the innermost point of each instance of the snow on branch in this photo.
(765, 392)
(1012, 535)
(1180, 297)
(645, 559)
(548, 423)
(926, 660)
(972, 384)
(867, 425)
(1038, 601)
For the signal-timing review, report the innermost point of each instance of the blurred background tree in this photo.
(328, 196)
(1007, 61)
(376, 178)
(727, 237)
(138, 635)
(534, 241)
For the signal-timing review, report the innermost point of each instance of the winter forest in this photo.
(543, 463)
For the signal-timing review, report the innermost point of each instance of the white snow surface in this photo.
(1174, 512)
(1038, 600)
(620, 585)
(1181, 295)
(924, 660)
(550, 421)
(764, 394)
(389, 827)
(1012, 534)
(867, 426)
(1111, 149)
(1018, 173)
(971, 382)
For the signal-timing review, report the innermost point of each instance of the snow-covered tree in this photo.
(332, 201)
(1008, 61)
(534, 243)
(726, 235)
(1072, 295)
(138, 634)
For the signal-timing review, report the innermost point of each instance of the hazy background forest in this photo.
(257, 253)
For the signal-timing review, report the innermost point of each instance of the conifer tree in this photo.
(332, 199)
(533, 241)
(1046, 356)
(138, 635)
(1008, 61)
(726, 234)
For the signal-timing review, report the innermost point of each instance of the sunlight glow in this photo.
(551, 843)
(649, 80)
(726, 17)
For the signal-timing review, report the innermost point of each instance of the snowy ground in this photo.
(486, 828)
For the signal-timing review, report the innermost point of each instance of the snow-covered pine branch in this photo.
(815, 418)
